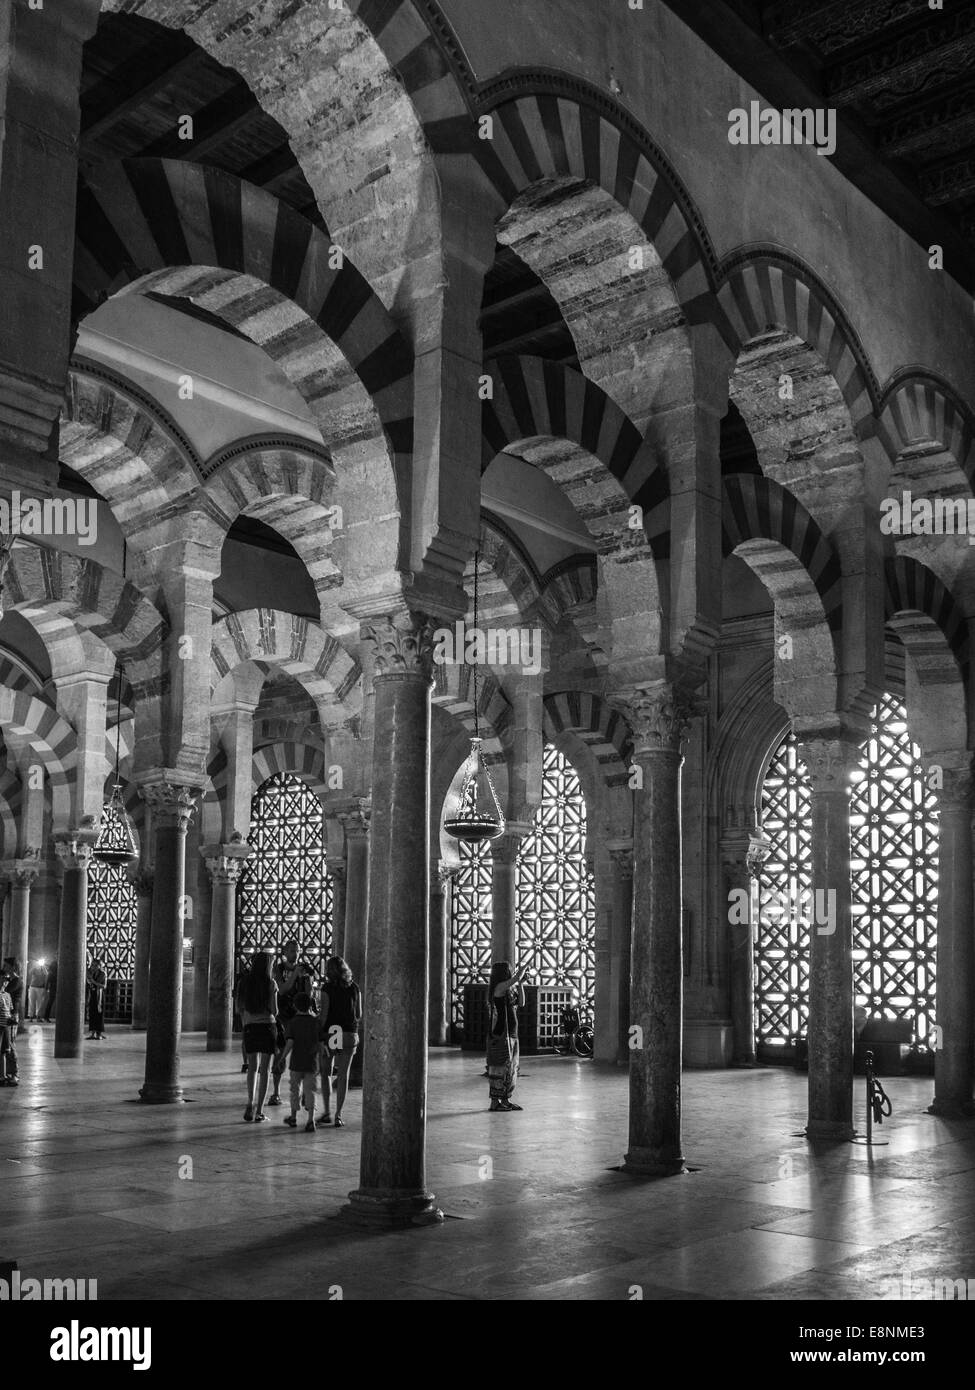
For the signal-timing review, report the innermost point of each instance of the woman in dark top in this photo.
(97, 980)
(341, 1013)
(257, 1001)
(505, 997)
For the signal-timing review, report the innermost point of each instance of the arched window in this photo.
(285, 891)
(894, 881)
(894, 871)
(112, 910)
(472, 917)
(556, 894)
(556, 910)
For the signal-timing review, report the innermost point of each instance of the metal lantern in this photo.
(474, 823)
(116, 838)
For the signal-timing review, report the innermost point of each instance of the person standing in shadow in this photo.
(97, 980)
(52, 989)
(506, 996)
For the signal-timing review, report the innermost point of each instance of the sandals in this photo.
(311, 1127)
(249, 1113)
(339, 1123)
(275, 1100)
(291, 1122)
(258, 1118)
(510, 1105)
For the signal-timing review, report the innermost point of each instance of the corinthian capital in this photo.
(172, 803)
(74, 850)
(355, 823)
(829, 763)
(659, 716)
(402, 644)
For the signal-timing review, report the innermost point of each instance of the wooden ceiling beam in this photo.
(139, 94)
(213, 125)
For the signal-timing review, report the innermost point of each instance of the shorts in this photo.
(350, 1042)
(259, 1037)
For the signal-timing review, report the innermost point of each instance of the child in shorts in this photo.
(302, 1043)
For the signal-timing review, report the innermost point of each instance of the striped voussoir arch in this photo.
(519, 585)
(271, 760)
(299, 646)
(11, 796)
(762, 290)
(290, 486)
(548, 125)
(60, 593)
(602, 729)
(920, 408)
(137, 216)
(453, 691)
(537, 399)
(125, 446)
(25, 720)
(14, 677)
(568, 586)
(421, 48)
(913, 588)
(759, 509)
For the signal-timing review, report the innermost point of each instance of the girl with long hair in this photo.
(506, 996)
(257, 1005)
(341, 1013)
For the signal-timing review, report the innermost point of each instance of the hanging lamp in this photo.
(116, 838)
(472, 824)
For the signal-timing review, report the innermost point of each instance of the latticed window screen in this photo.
(894, 874)
(782, 936)
(112, 904)
(470, 938)
(556, 926)
(894, 866)
(285, 892)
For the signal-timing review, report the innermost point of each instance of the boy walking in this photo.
(302, 1036)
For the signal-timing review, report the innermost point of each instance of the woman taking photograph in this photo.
(505, 997)
(257, 1005)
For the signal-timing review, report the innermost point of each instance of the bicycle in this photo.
(578, 1036)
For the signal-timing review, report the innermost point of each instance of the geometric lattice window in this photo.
(894, 863)
(783, 928)
(112, 903)
(471, 919)
(556, 900)
(285, 891)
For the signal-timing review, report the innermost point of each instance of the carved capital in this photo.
(171, 803)
(829, 763)
(446, 874)
(225, 868)
(622, 857)
(141, 879)
(659, 716)
(401, 644)
(24, 872)
(74, 850)
(355, 823)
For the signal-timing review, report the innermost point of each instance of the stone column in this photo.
(141, 880)
(336, 870)
(74, 853)
(621, 853)
(440, 891)
(504, 892)
(954, 1057)
(356, 827)
(172, 808)
(742, 854)
(225, 864)
(658, 717)
(829, 763)
(392, 1179)
(22, 876)
(201, 889)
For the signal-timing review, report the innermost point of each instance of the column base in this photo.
(952, 1109)
(68, 1050)
(221, 1045)
(837, 1131)
(648, 1163)
(158, 1093)
(392, 1207)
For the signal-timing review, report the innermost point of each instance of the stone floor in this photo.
(92, 1188)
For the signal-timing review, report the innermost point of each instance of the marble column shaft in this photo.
(172, 808)
(829, 763)
(622, 947)
(392, 1180)
(954, 1058)
(659, 717)
(74, 852)
(440, 890)
(21, 881)
(225, 864)
(141, 879)
(337, 874)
